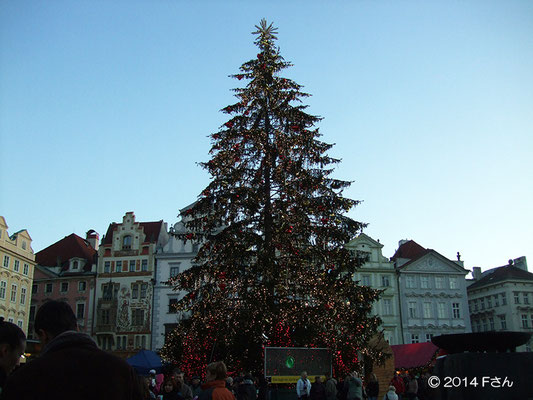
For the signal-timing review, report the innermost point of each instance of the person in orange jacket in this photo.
(215, 386)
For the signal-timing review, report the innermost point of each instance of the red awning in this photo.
(413, 355)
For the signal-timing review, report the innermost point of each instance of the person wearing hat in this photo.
(391, 394)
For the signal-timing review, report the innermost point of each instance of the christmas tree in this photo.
(272, 269)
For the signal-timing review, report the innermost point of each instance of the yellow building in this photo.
(17, 263)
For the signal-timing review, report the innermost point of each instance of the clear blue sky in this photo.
(105, 107)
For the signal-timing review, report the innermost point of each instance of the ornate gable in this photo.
(434, 262)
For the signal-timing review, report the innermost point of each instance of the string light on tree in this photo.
(273, 224)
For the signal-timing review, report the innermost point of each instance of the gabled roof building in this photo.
(432, 293)
(125, 283)
(66, 271)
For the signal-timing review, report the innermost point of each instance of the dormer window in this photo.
(75, 265)
(126, 242)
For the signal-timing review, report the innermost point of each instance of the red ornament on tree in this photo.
(229, 124)
(239, 77)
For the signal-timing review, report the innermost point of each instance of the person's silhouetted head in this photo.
(52, 319)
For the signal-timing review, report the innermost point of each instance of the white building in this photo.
(501, 299)
(379, 273)
(432, 292)
(175, 257)
(124, 284)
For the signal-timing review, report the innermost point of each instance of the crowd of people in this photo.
(72, 366)
(401, 387)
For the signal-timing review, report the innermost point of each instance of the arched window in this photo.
(126, 242)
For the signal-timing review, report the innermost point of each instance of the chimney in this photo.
(520, 262)
(402, 242)
(476, 273)
(93, 238)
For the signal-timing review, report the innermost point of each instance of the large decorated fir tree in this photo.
(272, 269)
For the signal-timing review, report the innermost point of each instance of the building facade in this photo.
(501, 299)
(125, 284)
(66, 271)
(379, 273)
(16, 275)
(432, 293)
(175, 257)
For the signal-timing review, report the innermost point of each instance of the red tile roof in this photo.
(151, 230)
(413, 355)
(410, 250)
(69, 247)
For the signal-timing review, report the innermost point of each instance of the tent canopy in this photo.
(144, 361)
(413, 355)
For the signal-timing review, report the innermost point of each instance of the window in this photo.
(525, 322)
(26, 269)
(414, 338)
(442, 310)
(489, 302)
(453, 283)
(6, 261)
(126, 242)
(485, 326)
(135, 291)
(516, 298)
(104, 317)
(439, 282)
(107, 292)
(80, 310)
(366, 281)
(64, 287)
(526, 297)
(24, 245)
(427, 310)
(75, 265)
(23, 296)
(482, 301)
(132, 265)
(456, 310)
(118, 266)
(13, 292)
(124, 338)
(387, 307)
(3, 287)
(491, 323)
(475, 305)
(503, 322)
(82, 286)
(10, 319)
(137, 341)
(49, 288)
(174, 270)
(34, 288)
(424, 282)
(144, 265)
(385, 282)
(143, 342)
(496, 301)
(144, 287)
(504, 299)
(410, 282)
(171, 304)
(16, 266)
(137, 316)
(107, 267)
(412, 309)
(429, 336)
(32, 313)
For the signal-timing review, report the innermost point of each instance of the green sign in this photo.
(289, 362)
